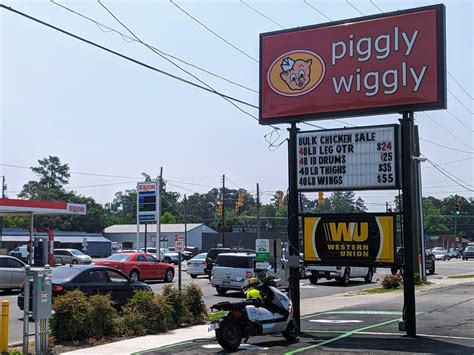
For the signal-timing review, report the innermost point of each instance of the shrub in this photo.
(104, 317)
(146, 313)
(179, 310)
(194, 301)
(72, 317)
(392, 281)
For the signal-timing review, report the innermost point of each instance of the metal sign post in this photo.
(294, 240)
(409, 222)
(179, 248)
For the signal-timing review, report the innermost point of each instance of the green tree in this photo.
(345, 202)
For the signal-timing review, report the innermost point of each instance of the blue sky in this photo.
(107, 116)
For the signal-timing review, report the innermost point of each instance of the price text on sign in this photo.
(179, 244)
(348, 159)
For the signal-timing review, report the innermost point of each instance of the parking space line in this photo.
(162, 347)
(418, 335)
(342, 336)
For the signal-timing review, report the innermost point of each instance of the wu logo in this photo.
(347, 232)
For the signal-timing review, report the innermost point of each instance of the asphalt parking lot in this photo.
(445, 324)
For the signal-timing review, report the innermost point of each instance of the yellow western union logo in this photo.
(310, 252)
(348, 232)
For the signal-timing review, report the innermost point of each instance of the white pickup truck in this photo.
(341, 273)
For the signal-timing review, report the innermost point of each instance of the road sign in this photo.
(148, 193)
(179, 243)
(348, 159)
(262, 249)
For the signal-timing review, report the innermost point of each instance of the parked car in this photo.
(165, 255)
(140, 266)
(91, 279)
(185, 255)
(231, 270)
(343, 274)
(196, 265)
(70, 256)
(468, 252)
(12, 272)
(454, 254)
(20, 252)
(440, 254)
(429, 261)
(214, 252)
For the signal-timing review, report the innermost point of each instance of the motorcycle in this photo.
(252, 317)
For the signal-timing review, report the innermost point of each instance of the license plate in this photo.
(225, 283)
(213, 326)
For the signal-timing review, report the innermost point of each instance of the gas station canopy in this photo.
(13, 207)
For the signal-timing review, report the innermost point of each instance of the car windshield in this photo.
(76, 252)
(244, 262)
(469, 249)
(64, 274)
(118, 257)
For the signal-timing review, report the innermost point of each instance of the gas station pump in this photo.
(43, 251)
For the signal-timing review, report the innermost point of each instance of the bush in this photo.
(72, 317)
(392, 281)
(179, 310)
(146, 313)
(104, 317)
(194, 301)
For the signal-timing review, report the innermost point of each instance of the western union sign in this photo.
(364, 239)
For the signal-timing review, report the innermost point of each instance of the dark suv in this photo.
(212, 256)
(429, 261)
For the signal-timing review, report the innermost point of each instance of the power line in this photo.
(450, 162)
(129, 39)
(459, 100)
(371, 1)
(315, 9)
(261, 14)
(446, 147)
(449, 177)
(355, 8)
(447, 130)
(462, 87)
(213, 32)
(173, 63)
(126, 57)
(461, 122)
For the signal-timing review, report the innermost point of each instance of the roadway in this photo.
(323, 288)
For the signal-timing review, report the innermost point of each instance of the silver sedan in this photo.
(12, 272)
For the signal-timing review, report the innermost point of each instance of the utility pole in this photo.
(258, 212)
(185, 222)
(4, 187)
(386, 206)
(158, 212)
(223, 210)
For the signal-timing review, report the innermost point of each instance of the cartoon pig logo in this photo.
(296, 73)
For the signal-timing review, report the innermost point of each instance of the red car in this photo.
(140, 266)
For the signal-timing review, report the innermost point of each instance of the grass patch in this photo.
(380, 290)
(461, 277)
(213, 316)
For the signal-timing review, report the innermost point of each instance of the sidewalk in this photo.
(308, 306)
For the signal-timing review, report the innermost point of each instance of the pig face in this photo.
(298, 76)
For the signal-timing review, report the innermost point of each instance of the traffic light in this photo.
(237, 208)
(220, 208)
(389, 210)
(281, 197)
(457, 208)
(239, 203)
(320, 198)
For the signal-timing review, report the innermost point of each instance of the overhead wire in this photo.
(355, 8)
(170, 61)
(447, 130)
(449, 177)
(446, 147)
(129, 39)
(462, 87)
(315, 9)
(262, 14)
(372, 2)
(459, 100)
(461, 122)
(213, 32)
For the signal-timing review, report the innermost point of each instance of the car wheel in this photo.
(169, 275)
(58, 261)
(221, 291)
(314, 278)
(369, 276)
(194, 276)
(346, 277)
(432, 270)
(135, 275)
(302, 273)
(74, 261)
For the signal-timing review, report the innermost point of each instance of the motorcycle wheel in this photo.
(291, 332)
(229, 335)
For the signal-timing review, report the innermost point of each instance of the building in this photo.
(93, 244)
(125, 235)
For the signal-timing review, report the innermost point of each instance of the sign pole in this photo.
(409, 222)
(294, 245)
(179, 272)
(138, 220)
